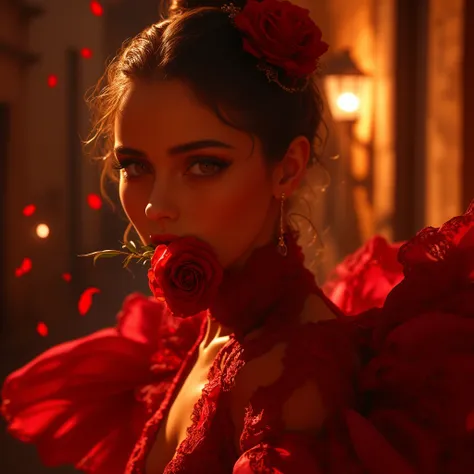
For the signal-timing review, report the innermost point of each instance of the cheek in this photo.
(243, 208)
(134, 200)
(236, 217)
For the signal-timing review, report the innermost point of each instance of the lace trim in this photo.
(259, 459)
(225, 368)
(136, 463)
(436, 243)
(221, 378)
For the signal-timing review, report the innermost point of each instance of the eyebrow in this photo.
(178, 149)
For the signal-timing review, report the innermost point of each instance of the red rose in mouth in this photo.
(186, 274)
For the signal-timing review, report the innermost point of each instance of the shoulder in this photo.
(302, 376)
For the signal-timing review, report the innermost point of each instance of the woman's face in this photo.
(184, 172)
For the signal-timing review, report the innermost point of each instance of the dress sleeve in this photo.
(290, 418)
(84, 402)
(413, 406)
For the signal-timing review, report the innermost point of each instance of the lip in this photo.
(162, 239)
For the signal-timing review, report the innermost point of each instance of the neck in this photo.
(268, 288)
(214, 331)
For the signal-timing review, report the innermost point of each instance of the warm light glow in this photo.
(348, 102)
(42, 231)
(348, 96)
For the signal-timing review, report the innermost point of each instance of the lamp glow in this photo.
(347, 87)
(348, 102)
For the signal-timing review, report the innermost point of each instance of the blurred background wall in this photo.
(399, 152)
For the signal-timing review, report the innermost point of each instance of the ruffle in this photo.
(406, 405)
(364, 279)
(86, 402)
(416, 386)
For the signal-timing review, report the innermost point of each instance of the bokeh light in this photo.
(42, 231)
(86, 53)
(52, 80)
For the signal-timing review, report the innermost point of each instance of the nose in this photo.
(160, 206)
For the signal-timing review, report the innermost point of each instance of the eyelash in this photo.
(125, 163)
(221, 165)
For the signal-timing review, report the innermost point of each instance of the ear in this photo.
(289, 172)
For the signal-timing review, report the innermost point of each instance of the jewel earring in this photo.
(282, 248)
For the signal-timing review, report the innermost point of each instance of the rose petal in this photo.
(85, 300)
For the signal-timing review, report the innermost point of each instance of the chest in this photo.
(174, 427)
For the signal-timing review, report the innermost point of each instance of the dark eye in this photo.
(207, 167)
(132, 168)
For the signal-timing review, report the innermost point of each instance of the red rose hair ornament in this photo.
(282, 36)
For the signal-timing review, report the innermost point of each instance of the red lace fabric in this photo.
(396, 382)
(273, 301)
(417, 381)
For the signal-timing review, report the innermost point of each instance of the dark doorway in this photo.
(468, 113)
(4, 154)
(410, 116)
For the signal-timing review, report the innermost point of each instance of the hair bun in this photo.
(181, 6)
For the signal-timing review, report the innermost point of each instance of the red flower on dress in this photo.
(186, 274)
(282, 34)
(365, 278)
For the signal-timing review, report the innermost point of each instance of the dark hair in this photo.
(199, 45)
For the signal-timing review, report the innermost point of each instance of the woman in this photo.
(240, 363)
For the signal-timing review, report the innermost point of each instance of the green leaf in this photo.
(130, 252)
(102, 253)
(127, 260)
(132, 246)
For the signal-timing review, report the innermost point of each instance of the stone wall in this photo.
(367, 28)
(40, 157)
(444, 126)
(16, 61)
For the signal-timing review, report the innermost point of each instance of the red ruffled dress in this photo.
(396, 381)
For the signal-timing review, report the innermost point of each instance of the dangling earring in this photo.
(282, 248)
